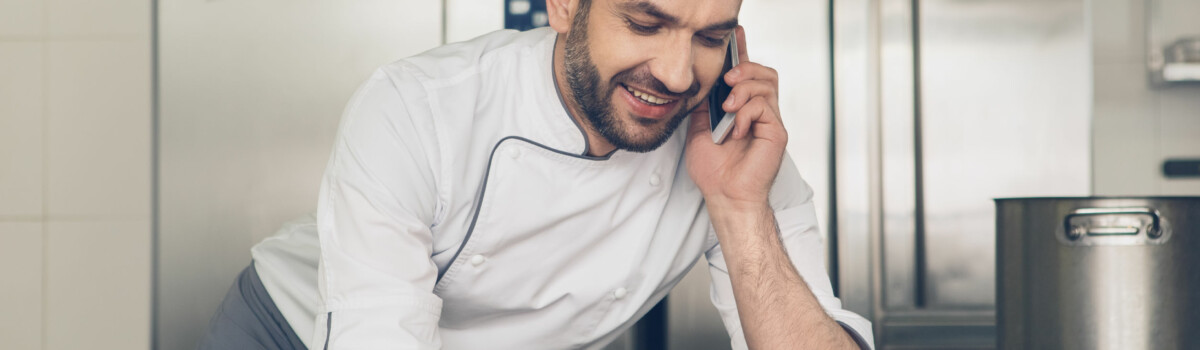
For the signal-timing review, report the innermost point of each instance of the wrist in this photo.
(724, 206)
(745, 217)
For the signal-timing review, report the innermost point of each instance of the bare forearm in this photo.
(775, 305)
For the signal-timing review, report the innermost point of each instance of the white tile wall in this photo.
(21, 296)
(22, 18)
(98, 147)
(90, 19)
(98, 285)
(21, 113)
(75, 174)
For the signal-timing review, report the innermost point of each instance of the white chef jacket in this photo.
(459, 210)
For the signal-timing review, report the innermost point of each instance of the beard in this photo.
(594, 96)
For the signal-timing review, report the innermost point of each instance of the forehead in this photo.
(688, 13)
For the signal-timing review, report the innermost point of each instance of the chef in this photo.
(543, 190)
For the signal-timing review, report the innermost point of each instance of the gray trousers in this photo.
(248, 319)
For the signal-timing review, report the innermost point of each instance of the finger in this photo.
(751, 71)
(742, 93)
(743, 53)
(760, 119)
(752, 113)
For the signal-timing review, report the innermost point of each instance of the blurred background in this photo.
(145, 146)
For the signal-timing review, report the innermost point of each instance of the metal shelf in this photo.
(1181, 73)
(1173, 42)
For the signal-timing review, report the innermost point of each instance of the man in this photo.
(530, 191)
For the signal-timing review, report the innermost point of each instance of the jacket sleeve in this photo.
(791, 198)
(377, 203)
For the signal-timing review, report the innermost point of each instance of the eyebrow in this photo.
(653, 10)
(727, 25)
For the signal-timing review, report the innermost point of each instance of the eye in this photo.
(641, 29)
(711, 41)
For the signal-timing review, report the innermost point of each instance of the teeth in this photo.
(647, 97)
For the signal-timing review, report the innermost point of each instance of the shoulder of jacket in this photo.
(455, 63)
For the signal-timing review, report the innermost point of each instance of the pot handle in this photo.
(1075, 232)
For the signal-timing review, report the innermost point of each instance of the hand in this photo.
(739, 172)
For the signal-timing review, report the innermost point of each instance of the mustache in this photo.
(644, 79)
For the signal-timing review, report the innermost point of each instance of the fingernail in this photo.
(733, 73)
(729, 101)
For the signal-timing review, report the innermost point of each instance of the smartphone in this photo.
(719, 121)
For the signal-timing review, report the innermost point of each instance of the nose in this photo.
(673, 66)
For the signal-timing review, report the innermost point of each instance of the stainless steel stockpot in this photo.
(1098, 273)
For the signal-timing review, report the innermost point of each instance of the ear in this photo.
(562, 14)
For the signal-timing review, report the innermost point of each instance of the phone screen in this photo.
(720, 91)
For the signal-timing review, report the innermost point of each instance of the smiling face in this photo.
(636, 68)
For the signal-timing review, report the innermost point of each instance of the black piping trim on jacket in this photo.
(587, 145)
(858, 338)
(483, 191)
(328, 328)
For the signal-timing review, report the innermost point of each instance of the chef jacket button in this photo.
(620, 293)
(514, 153)
(477, 260)
(655, 180)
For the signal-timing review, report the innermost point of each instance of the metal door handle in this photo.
(1074, 232)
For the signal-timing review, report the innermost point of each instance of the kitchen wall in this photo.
(1137, 126)
(75, 168)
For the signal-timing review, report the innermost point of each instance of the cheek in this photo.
(608, 49)
(707, 82)
(612, 61)
(708, 70)
(604, 58)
